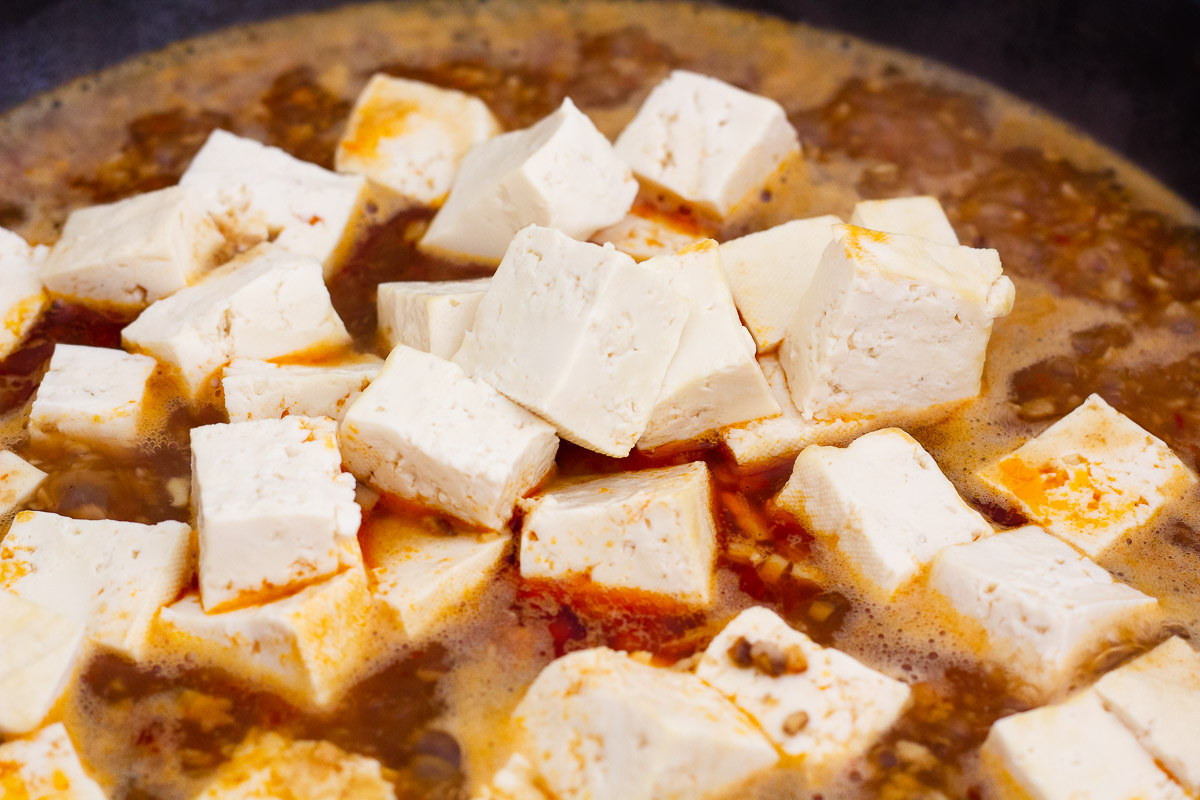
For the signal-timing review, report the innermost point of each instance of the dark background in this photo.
(1127, 71)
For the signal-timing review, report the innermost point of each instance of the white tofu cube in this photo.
(457, 445)
(713, 380)
(892, 326)
(274, 511)
(560, 173)
(411, 136)
(882, 505)
(1157, 697)
(267, 304)
(599, 724)
(45, 767)
(262, 390)
(1044, 608)
(1092, 478)
(915, 216)
(40, 652)
(580, 335)
(109, 577)
(707, 142)
(128, 254)
(769, 272)
(646, 232)
(649, 533)
(1072, 750)
(92, 395)
(430, 316)
(22, 296)
(816, 703)
(18, 481)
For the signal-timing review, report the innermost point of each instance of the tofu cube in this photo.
(1071, 750)
(1157, 698)
(92, 395)
(770, 271)
(274, 511)
(648, 533)
(882, 505)
(23, 298)
(1092, 478)
(1044, 608)
(128, 254)
(45, 767)
(560, 173)
(580, 335)
(457, 445)
(915, 216)
(411, 136)
(646, 232)
(430, 316)
(41, 650)
(812, 702)
(599, 724)
(707, 142)
(18, 481)
(892, 326)
(713, 380)
(268, 303)
(262, 390)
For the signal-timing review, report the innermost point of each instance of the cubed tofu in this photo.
(274, 511)
(411, 136)
(560, 173)
(649, 533)
(1092, 478)
(45, 767)
(580, 335)
(18, 481)
(646, 232)
(128, 254)
(770, 271)
(267, 766)
(1157, 697)
(457, 445)
(892, 326)
(714, 380)
(23, 298)
(268, 303)
(92, 395)
(707, 142)
(1071, 750)
(813, 702)
(262, 390)
(916, 216)
(40, 652)
(599, 724)
(431, 316)
(1044, 608)
(109, 577)
(882, 505)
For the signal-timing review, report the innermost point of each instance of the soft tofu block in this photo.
(431, 316)
(40, 652)
(18, 481)
(1092, 478)
(892, 326)
(714, 380)
(882, 505)
(45, 767)
(274, 511)
(411, 136)
(1157, 698)
(1043, 607)
(1072, 750)
(128, 254)
(769, 272)
(92, 395)
(456, 445)
(262, 390)
(23, 298)
(599, 724)
(813, 702)
(916, 216)
(707, 142)
(560, 173)
(646, 232)
(580, 335)
(648, 533)
(266, 304)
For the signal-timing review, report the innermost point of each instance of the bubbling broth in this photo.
(1106, 265)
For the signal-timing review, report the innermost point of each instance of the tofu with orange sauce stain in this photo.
(646, 232)
(45, 766)
(18, 481)
(23, 298)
